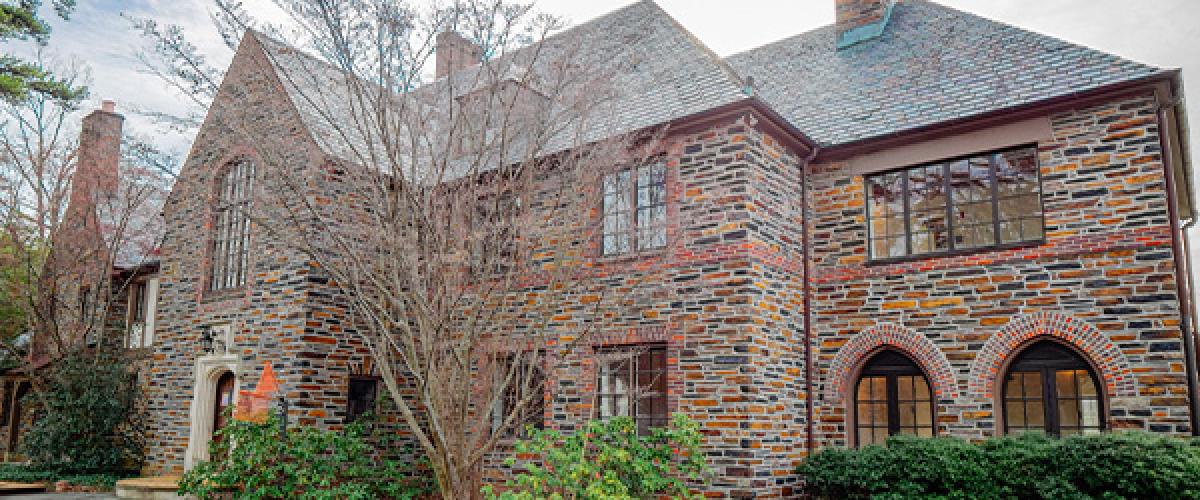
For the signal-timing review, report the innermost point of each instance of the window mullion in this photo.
(907, 215)
(995, 200)
(946, 193)
(893, 405)
(1050, 402)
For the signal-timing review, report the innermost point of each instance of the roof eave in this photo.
(842, 151)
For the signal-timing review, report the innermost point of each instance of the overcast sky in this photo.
(1164, 33)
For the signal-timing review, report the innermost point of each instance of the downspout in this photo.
(811, 441)
(1181, 281)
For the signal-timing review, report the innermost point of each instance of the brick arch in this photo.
(888, 335)
(1109, 361)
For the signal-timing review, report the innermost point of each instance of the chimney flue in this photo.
(454, 52)
(861, 20)
(108, 106)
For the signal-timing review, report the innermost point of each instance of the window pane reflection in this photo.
(975, 202)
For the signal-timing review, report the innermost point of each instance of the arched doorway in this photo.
(1050, 388)
(223, 400)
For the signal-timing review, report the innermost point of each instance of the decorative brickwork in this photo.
(1114, 368)
(918, 347)
(1106, 264)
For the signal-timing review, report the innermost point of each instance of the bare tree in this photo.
(460, 215)
(65, 228)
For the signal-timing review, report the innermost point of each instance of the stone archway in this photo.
(209, 371)
(840, 376)
(1109, 361)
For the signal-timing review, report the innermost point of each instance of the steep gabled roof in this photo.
(932, 64)
(661, 73)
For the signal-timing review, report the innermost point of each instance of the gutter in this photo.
(810, 438)
(1182, 279)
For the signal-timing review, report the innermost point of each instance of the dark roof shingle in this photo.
(932, 64)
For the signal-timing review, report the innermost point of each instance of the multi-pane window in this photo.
(635, 209)
(140, 318)
(892, 397)
(518, 377)
(1051, 389)
(231, 233)
(632, 383)
(361, 394)
(495, 228)
(980, 201)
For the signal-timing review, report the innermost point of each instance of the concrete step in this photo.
(149, 488)
(9, 488)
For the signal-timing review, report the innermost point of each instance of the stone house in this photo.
(928, 223)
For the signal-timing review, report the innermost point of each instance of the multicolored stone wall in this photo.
(272, 317)
(1103, 282)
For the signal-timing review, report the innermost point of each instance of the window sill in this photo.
(223, 294)
(955, 253)
(620, 258)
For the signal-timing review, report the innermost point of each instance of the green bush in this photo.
(607, 460)
(84, 419)
(1111, 465)
(25, 474)
(310, 464)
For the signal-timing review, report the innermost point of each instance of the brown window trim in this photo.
(351, 415)
(1047, 368)
(635, 227)
(872, 260)
(875, 367)
(633, 352)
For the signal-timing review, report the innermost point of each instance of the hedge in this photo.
(1110, 465)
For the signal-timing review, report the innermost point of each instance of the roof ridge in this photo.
(1023, 29)
(721, 62)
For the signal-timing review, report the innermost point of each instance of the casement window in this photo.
(635, 209)
(361, 394)
(1050, 389)
(632, 382)
(494, 232)
(983, 201)
(892, 397)
(516, 378)
(231, 232)
(140, 318)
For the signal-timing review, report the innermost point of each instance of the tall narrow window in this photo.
(981, 201)
(892, 397)
(231, 233)
(633, 383)
(1051, 389)
(635, 209)
(143, 299)
(360, 397)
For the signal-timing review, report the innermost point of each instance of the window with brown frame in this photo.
(527, 378)
(231, 231)
(892, 397)
(982, 201)
(494, 234)
(1050, 389)
(361, 394)
(635, 209)
(632, 382)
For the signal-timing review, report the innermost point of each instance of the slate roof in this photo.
(661, 72)
(931, 64)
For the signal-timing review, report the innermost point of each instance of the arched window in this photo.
(1049, 388)
(231, 235)
(892, 397)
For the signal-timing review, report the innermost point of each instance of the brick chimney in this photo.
(453, 52)
(861, 20)
(99, 151)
